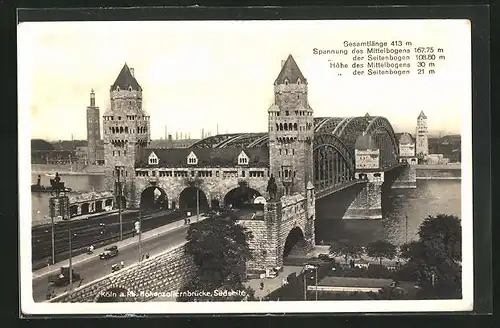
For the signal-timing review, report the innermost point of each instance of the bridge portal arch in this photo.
(112, 295)
(190, 196)
(154, 197)
(333, 161)
(241, 196)
(295, 243)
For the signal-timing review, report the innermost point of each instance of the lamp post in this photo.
(406, 229)
(119, 199)
(70, 261)
(197, 204)
(53, 241)
(138, 229)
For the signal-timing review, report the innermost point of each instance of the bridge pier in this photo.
(368, 203)
(407, 179)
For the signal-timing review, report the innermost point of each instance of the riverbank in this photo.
(67, 169)
(451, 166)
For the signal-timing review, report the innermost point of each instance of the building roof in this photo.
(125, 80)
(207, 157)
(364, 142)
(290, 71)
(405, 138)
(422, 115)
(355, 282)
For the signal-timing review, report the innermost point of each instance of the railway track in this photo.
(94, 234)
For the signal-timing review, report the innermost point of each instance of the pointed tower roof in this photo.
(125, 80)
(422, 115)
(290, 71)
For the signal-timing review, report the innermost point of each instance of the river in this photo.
(431, 197)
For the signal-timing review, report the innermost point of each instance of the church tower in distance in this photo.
(291, 131)
(126, 134)
(422, 146)
(93, 129)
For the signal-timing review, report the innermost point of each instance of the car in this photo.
(62, 279)
(109, 253)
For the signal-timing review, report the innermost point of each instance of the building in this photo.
(422, 142)
(291, 131)
(126, 132)
(406, 145)
(93, 131)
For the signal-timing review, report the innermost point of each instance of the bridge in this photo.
(296, 166)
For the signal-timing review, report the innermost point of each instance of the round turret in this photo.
(364, 142)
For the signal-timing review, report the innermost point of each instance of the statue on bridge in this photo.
(57, 185)
(272, 188)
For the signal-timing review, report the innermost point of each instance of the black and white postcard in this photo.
(245, 166)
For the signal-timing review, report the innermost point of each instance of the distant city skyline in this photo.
(197, 75)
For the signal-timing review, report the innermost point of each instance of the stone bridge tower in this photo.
(93, 129)
(422, 147)
(126, 133)
(291, 131)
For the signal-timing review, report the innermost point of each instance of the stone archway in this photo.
(241, 197)
(98, 206)
(85, 208)
(155, 198)
(295, 243)
(73, 210)
(189, 197)
(112, 295)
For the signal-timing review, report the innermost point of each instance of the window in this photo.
(243, 158)
(243, 174)
(192, 159)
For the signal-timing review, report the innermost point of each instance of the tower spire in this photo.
(92, 98)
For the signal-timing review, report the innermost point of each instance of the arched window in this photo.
(126, 129)
(130, 89)
(299, 81)
(286, 81)
(121, 129)
(281, 127)
(286, 127)
(277, 127)
(295, 126)
(117, 88)
(286, 173)
(290, 126)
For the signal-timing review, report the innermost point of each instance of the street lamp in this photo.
(197, 204)
(70, 260)
(310, 267)
(138, 229)
(119, 198)
(53, 241)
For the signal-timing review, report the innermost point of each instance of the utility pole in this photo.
(70, 261)
(197, 204)
(119, 198)
(53, 241)
(406, 229)
(316, 282)
(305, 286)
(140, 234)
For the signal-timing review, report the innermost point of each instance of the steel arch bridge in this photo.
(334, 140)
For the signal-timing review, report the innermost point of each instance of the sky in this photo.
(197, 75)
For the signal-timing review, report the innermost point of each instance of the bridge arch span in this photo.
(190, 197)
(383, 133)
(241, 196)
(333, 162)
(295, 242)
(153, 197)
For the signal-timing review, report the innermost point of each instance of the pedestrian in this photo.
(189, 221)
(261, 285)
(122, 264)
(147, 256)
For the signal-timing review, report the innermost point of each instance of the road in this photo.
(96, 268)
(94, 231)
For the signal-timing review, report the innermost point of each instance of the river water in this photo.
(431, 197)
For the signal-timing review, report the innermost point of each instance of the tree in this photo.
(381, 249)
(443, 234)
(220, 250)
(346, 249)
(434, 260)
